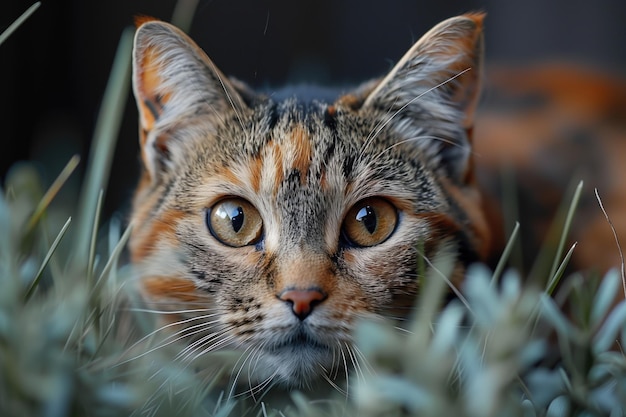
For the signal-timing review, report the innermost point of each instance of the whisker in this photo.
(345, 367)
(376, 129)
(403, 107)
(424, 137)
(216, 345)
(356, 366)
(361, 355)
(166, 312)
(228, 96)
(334, 368)
(454, 289)
(334, 385)
(195, 347)
(170, 339)
(245, 358)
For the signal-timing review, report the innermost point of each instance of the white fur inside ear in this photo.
(176, 84)
(151, 155)
(181, 67)
(438, 58)
(429, 97)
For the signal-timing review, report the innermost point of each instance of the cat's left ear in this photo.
(432, 92)
(175, 85)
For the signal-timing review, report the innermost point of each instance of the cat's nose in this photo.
(302, 301)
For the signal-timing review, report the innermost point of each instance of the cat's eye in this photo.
(235, 222)
(370, 222)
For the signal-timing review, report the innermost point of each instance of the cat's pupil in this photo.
(367, 217)
(236, 217)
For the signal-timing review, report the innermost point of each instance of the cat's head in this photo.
(272, 226)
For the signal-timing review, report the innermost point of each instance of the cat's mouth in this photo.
(299, 339)
(296, 359)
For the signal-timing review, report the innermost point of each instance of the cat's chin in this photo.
(298, 364)
(296, 361)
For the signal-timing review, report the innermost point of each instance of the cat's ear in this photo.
(434, 89)
(175, 84)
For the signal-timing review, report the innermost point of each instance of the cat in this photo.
(285, 222)
(273, 226)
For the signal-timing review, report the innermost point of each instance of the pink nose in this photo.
(302, 301)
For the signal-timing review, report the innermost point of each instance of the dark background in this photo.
(53, 70)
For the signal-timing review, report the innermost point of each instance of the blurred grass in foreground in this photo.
(74, 342)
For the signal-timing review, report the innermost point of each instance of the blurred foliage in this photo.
(74, 340)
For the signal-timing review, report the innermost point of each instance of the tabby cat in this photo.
(272, 226)
(280, 223)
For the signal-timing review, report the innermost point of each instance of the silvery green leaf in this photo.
(511, 287)
(604, 397)
(608, 333)
(559, 407)
(481, 295)
(484, 392)
(544, 385)
(528, 409)
(122, 395)
(386, 393)
(554, 316)
(532, 352)
(605, 296)
(28, 269)
(375, 337)
(447, 330)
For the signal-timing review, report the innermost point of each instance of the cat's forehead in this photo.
(303, 132)
(296, 150)
(280, 141)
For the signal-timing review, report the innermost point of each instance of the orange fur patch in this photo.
(306, 272)
(171, 287)
(279, 172)
(256, 167)
(350, 101)
(162, 228)
(150, 103)
(302, 146)
(141, 19)
(230, 176)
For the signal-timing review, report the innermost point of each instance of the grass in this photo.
(74, 343)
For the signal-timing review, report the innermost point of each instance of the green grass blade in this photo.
(51, 251)
(105, 135)
(116, 253)
(511, 211)
(18, 22)
(183, 13)
(566, 227)
(52, 192)
(94, 234)
(505, 254)
(622, 268)
(558, 274)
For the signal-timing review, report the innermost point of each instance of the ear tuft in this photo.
(175, 85)
(140, 19)
(432, 92)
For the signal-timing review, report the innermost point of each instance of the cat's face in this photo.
(272, 227)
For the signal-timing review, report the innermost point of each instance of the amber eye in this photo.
(235, 222)
(370, 222)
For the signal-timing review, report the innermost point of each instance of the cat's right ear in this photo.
(175, 84)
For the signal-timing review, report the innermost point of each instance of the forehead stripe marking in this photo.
(302, 151)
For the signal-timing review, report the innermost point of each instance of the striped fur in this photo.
(303, 165)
